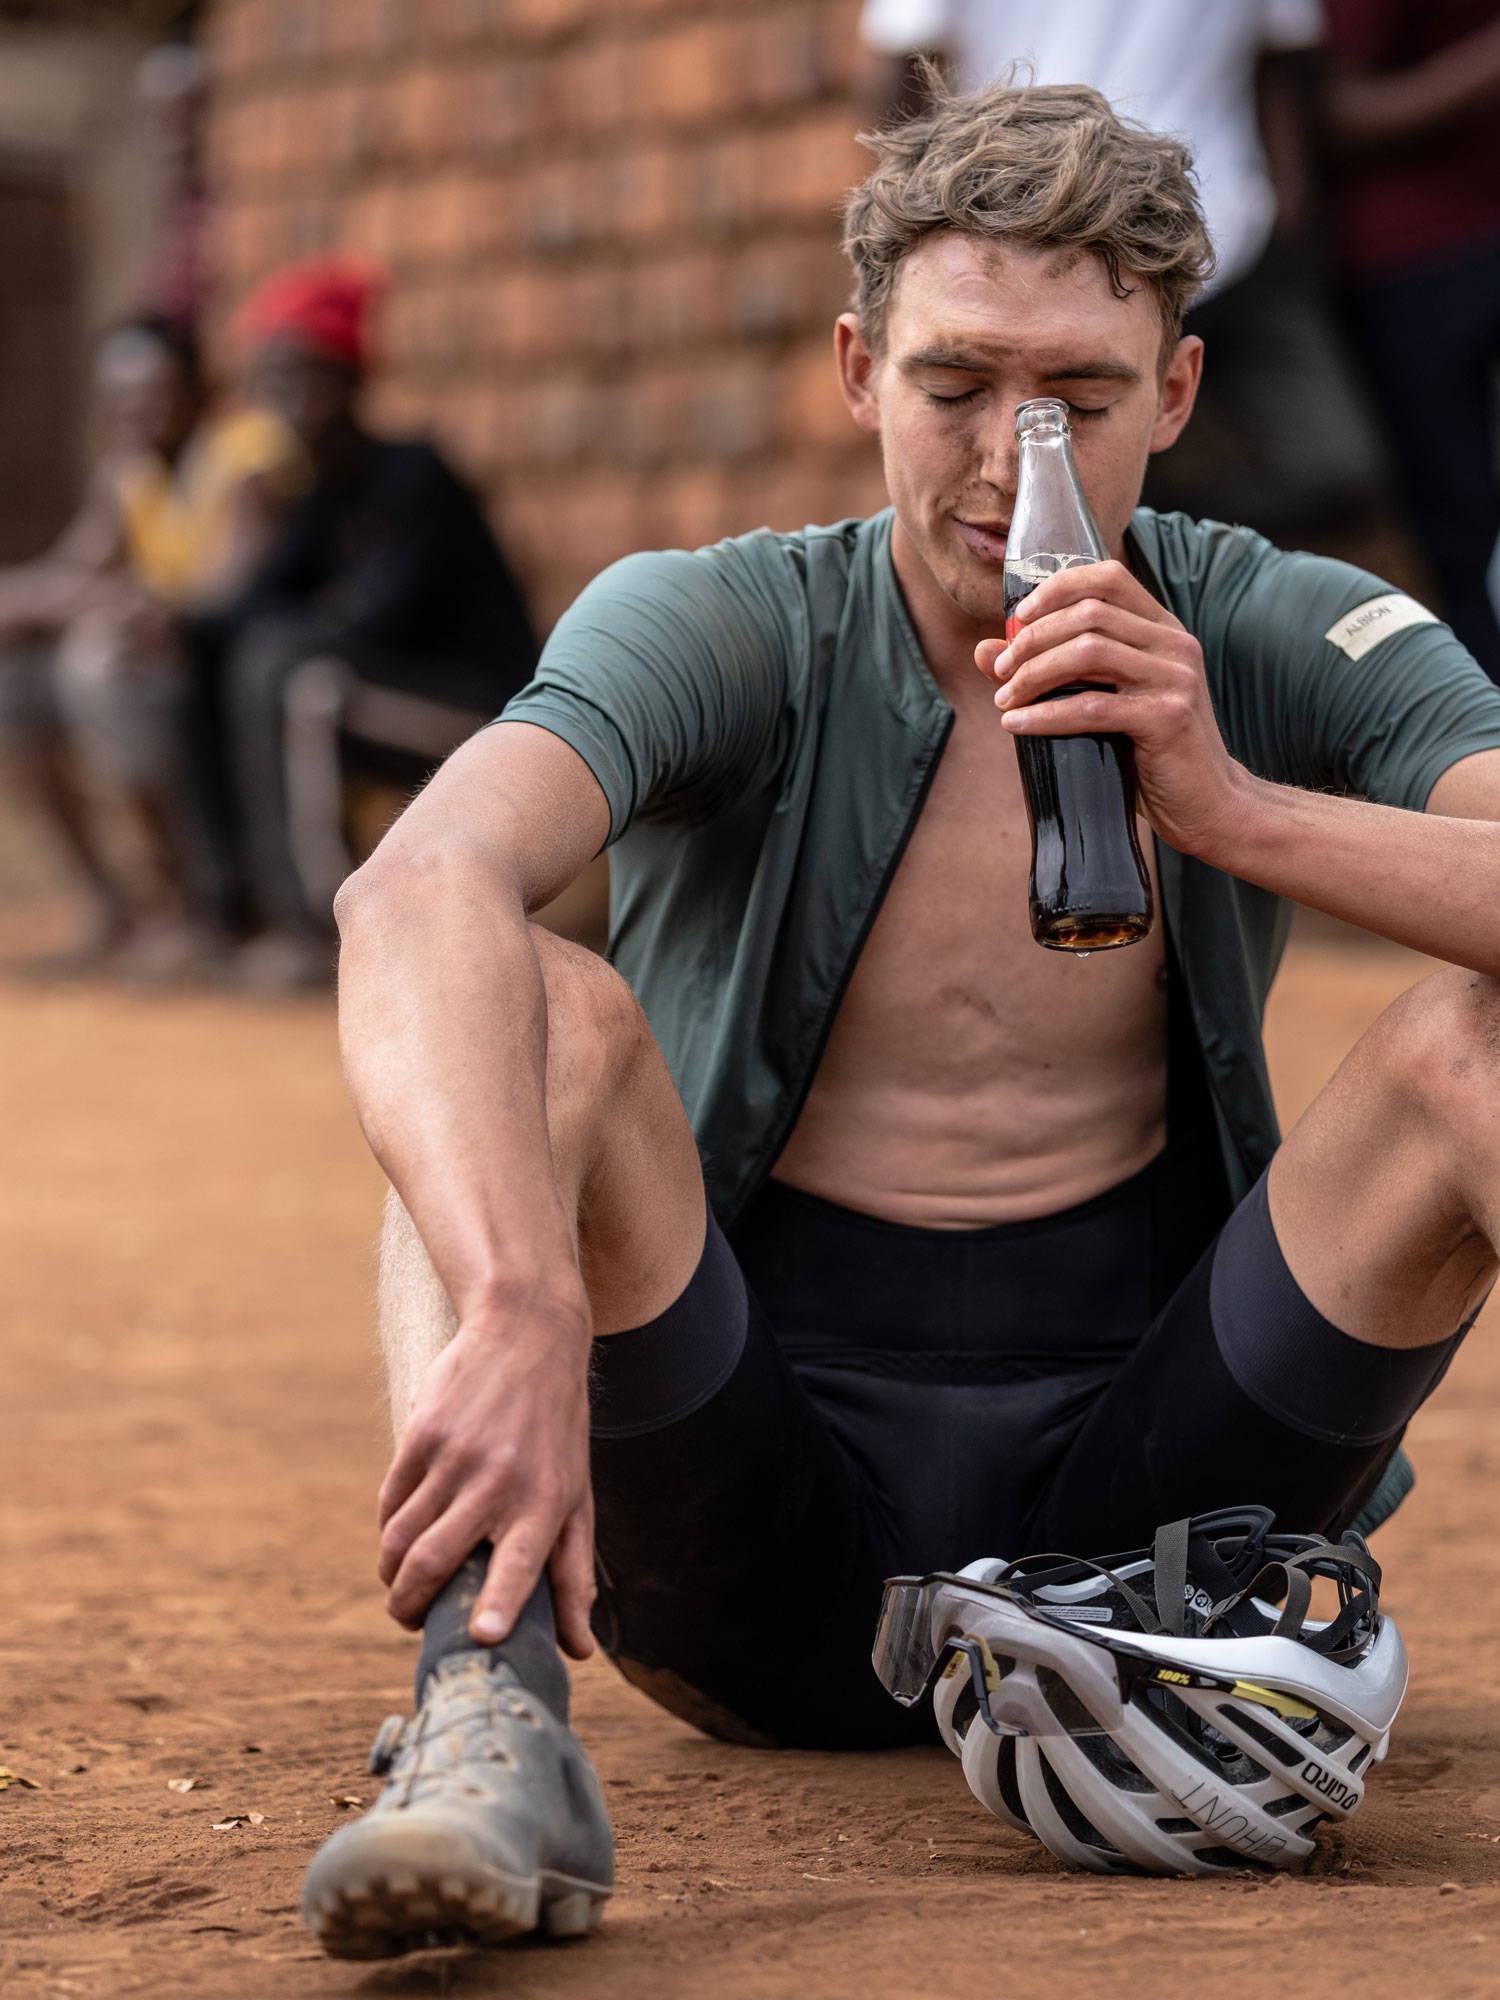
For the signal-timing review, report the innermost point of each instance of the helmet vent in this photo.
(1010, 1790)
(1178, 1826)
(1258, 1733)
(1069, 1812)
(1277, 1808)
(1223, 1857)
(1359, 1756)
(965, 1708)
(1064, 1704)
(1112, 1764)
(1191, 1733)
(1329, 1735)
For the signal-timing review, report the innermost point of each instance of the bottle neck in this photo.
(1051, 517)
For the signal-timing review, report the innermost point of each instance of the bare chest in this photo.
(951, 987)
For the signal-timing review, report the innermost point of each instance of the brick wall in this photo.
(611, 226)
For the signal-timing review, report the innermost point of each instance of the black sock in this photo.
(530, 1651)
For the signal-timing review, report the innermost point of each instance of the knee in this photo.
(590, 1008)
(1439, 1044)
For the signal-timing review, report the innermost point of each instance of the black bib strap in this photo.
(1169, 1577)
(1013, 1574)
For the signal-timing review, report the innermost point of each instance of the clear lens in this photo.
(902, 1654)
(1012, 1698)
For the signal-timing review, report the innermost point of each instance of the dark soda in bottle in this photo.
(1089, 887)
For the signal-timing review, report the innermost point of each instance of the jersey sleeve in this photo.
(667, 675)
(1339, 683)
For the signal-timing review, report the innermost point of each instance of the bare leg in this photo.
(623, 1154)
(493, 1821)
(1386, 1194)
(121, 701)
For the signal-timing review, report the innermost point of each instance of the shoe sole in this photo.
(396, 1910)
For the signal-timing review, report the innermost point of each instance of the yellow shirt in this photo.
(179, 520)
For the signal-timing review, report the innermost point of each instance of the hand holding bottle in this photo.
(1098, 624)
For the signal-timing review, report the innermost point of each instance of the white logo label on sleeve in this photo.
(1377, 620)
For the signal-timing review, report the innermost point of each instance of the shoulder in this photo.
(1322, 674)
(1199, 565)
(1237, 591)
(772, 579)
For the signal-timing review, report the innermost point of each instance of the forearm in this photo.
(443, 1023)
(1375, 108)
(43, 595)
(1422, 880)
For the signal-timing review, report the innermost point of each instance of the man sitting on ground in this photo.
(877, 1238)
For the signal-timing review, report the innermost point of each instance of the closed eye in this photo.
(968, 396)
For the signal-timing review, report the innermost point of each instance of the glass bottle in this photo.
(1089, 887)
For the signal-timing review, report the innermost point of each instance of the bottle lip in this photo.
(1041, 413)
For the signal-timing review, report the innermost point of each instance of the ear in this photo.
(856, 367)
(1179, 391)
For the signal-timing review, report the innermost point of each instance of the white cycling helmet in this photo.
(1155, 1710)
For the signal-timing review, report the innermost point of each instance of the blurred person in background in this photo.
(1415, 104)
(381, 628)
(1280, 440)
(91, 664)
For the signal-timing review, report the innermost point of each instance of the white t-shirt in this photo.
(1181, 66)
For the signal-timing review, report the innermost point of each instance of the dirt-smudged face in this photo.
(975, 327)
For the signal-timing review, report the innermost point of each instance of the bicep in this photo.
(1469, 789)
(520, 796)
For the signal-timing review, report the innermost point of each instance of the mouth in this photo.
(987, 541)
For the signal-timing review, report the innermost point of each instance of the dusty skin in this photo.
(191, 1448)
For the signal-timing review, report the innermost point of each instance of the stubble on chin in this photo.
(979, 594)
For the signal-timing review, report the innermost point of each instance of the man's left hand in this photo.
(1098, 623)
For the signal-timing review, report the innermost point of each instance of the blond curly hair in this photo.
(1050, 166)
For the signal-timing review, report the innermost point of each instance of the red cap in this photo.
(326, 302)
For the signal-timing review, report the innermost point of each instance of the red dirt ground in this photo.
(191, 1444)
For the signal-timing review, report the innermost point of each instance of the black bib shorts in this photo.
(836, 1399)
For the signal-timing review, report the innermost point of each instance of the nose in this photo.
(999, 456)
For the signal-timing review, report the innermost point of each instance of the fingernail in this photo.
(489, 1625)
(1002, 694)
